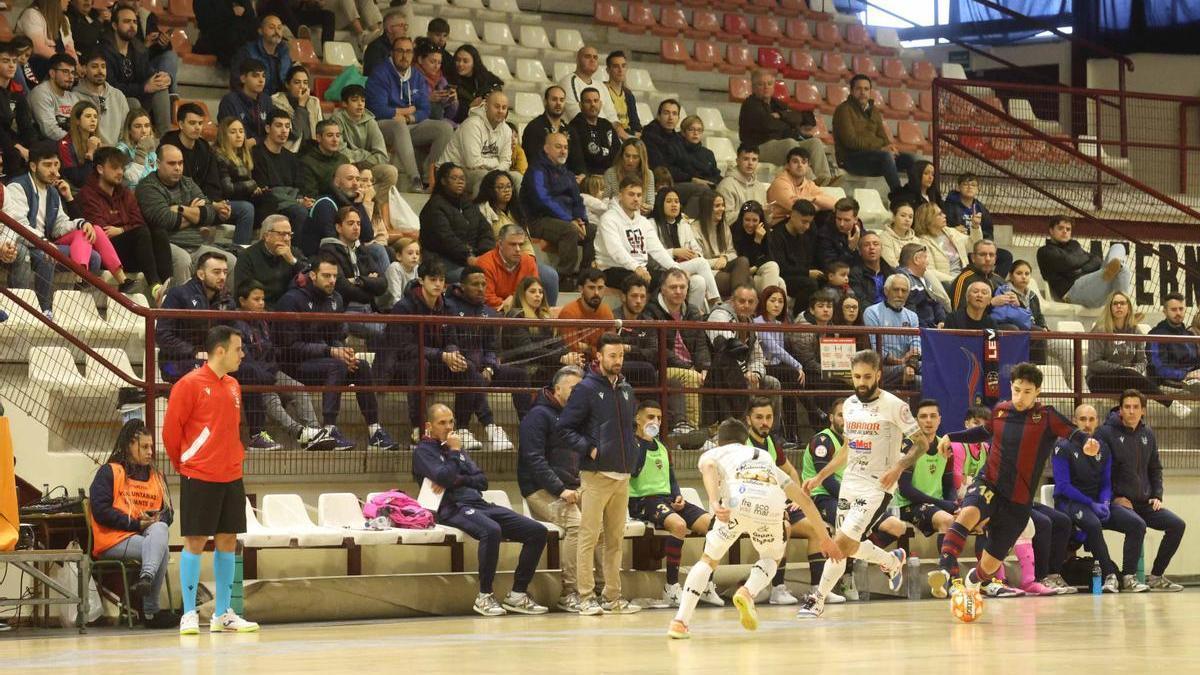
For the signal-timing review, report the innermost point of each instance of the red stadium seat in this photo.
(183, 47)
(608, 13)
(899, 105)
(706, 56)
(796, 33)
(740, 59)
(923, 74)
(705, 24)
(823, 131)
(864, 65)
(834, 95)
(802, 61)
(892, 75)
(771, 59)
(785, 97)
(736, 28)
(674, 50)
(671, 22)
(739, 89)
(924, 111)
(640, 20)
(827, 36)
(910, 139)
(858, 40)
(766, 31)
(808, 94)
(833, 68)
(762, 7)
(6, 32)
(791, 8)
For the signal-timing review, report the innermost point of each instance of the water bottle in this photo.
(1096, 580)
(912, 576)
(861, 580)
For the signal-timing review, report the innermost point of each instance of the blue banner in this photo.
(954, 371)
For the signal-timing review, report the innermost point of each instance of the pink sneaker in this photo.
(1036, 588)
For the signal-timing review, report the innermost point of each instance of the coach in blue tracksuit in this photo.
(1138, 482)
(439, 458)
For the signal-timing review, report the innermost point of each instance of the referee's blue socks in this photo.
(223, 576)
(189, 578)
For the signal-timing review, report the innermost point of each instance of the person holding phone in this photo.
(131, 516)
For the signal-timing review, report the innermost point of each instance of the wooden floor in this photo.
(1081, 635)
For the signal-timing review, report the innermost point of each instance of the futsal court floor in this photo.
(1081, 635)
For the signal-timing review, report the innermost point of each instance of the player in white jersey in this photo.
(882, 440)
(748, 495)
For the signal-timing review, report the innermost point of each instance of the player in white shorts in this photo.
(748, 495)
(882, 440)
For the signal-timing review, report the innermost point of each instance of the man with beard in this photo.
(554, 102)
(130, 71)
(181, 341)
(593, 140)
(589, 305)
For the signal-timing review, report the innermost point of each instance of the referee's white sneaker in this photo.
(189, 623)
(229, 622)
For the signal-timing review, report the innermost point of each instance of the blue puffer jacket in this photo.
(180, 339)
(301, 341)
(599, 415)
(1172, 360)
(545, 463)
(463, 481)
(550, 191)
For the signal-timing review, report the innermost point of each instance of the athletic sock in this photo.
(189, 578)
(830, 575)
(372, 428)
(223, 577)
(779, 573)
(673, 547)
(816, 565)
(873, 554)
(952, 546)
(693, 587)
(882, 539)
(760, 576)
(978, 576)
(1024, 552)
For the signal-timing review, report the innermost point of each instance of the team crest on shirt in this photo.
(1145, 441)
(601, 395)
(821, 451)
(1036, 417)
(1000, 413)
(207, 391)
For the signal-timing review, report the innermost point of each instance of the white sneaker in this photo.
(780, 595)
(229, 622)
(497, 438)
(469, 442)
(522, 603)
(486, 604)
(1180, 409)
(189, 623)
(833, 598)
(813, 607)
(711, 596)
(672, 593)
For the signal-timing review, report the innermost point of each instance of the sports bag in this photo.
(403, 511)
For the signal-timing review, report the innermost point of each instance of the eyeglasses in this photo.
(63, 70)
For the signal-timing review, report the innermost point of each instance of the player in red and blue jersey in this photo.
(1022, 433)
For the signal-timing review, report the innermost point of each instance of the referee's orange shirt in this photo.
(201, 429)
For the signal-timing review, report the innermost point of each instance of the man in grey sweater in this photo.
(52, 100)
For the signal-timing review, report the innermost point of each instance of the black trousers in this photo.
(147, 250)
(491, 524)
(334, 372)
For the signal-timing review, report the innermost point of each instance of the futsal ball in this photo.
(966, 604)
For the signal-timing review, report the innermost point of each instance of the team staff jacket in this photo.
(202, 427)
(452, 470)
(1136, 468)
(600, 415)
(544, 464)
(1080, 478)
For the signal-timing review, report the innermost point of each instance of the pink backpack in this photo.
(403, 511)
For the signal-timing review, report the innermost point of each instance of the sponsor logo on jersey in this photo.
(859, 444)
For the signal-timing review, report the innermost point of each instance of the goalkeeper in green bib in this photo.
(654, 497)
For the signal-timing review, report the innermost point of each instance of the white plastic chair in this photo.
(259, 536)
(434, 535)
(639, 80)
(1046, 495)
(527, 105)
(498, 34)
(462, 30)
(549, 526)
(76, 312)
(887, 37)
(691, 494)
(469, 4)
(419, 25)
(645, 113)
(562, 69)
(532, 70)
(499, 67)
(714, 122)
(341, 510)
(22, 327)
(287, 513)
(449, 531)
(723, 151)
(568, 40)
(340, 54)
(871, 209)
(507, 6)
(953, 71)
(534, 37)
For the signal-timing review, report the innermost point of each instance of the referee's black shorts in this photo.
(206, 509)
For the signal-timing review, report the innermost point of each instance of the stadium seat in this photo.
(639, 80)
(735, 28)
(639, 19)
(561, 70)
(534, 37)
(498, 66)
(568, 40)
(808, 94)
(871, 209)
(549, 526)
(802, 61)
(740, 59)
(833, 192)
(953, 71)
(671, 22)
(771, 59)
(893, 73)
(258, 535)
(527, 105)
(287, 513)
(674, 50)
(739, 89)
(887, 42)
(762, 7)
(22, 328)
(342, 511)
(498, 34)
(833, 68)
(910, 139)
(607, 13)
(76, 312)
(463, 30)
(823, 131)
(793, 8)
(182, 44)
(865, 65)
(766, 31)
(924, 111)
(1046, 495)
(784, 96)
(899, 105)
(57, 386)
(101, 373)
(714, 122)
(923, 74)
(469, 4)
(722, 149)
(126, 323)
(796, 33)
(645, 112)
(339, 54)
(708, 55)
(532, 70)
(835, 94)
(691, 494)
(857, 39)
(508, 6)
(705, 24)
(827, 37)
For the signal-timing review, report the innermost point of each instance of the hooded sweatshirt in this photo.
(478, 145)
(629, 242)
(363, 139)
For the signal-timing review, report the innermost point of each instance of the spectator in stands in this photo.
(343, 191)
(792, 246)
(589, 305)
(181, 341)
(1137, 481)
(173, 202)
(437, 34)
(235, 164)
(24, 76)
(1026, 314)
(129, 68)
(1176, 363)
(870, 271)
(1116, 365)
(901, 353)
(277, 170)
(973, 312)
(300, 16)
(362, 17)
(947, 246)
(483, 143)
(775, 129)
(926, 296)
(138, 144)
(838, 242)
(627, 122)
(641, 344)
(360, 132)
(677, 233)
(453, 231)
(791, 185)
(18, 131)
(716, 245)
(590, 425)
(45, 23)
(551, 201)
(224, 25)
(439, 458)
(737, 357)
(200, 161)
(302, 108)
(471, 79)
(631, 161)
(132, 516)
(702, 164)
(52, 100)
(315, 353)
(689, 359)
(848, 312)
(395, 26)
(862, 142)
(110, 206)
(593, 140)
(87, 24)
(272, 261)
(360, 283)
(443, 99)
(587, 63)
(668, 149)
(837, 277)
(536, 350)
(250, 102)
(269, 50)
(750, 241)
(808, 345)
(498, 203)
(401, 105)
(627, 241)
(319, 160)
(921, 187)
(520, 163)
(966, 213)
(551, 121)
(506, 266)
(780, 350)
(897, 234)
(741, 185)
(548, 475)
(982, 268)
(1077, 276)
(109, 101)
(75, 150)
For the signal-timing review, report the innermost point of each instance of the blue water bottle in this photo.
(1096, 578)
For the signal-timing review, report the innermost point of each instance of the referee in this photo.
(202, 435)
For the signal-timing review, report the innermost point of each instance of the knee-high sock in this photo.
(782, 567)
(952, 546)
(697, 581)
(816, 565)
(189, 578)
(760, 575)
(223, 577)
(830, 575)
(673, 547)
(1024, 551)
(873, 554)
